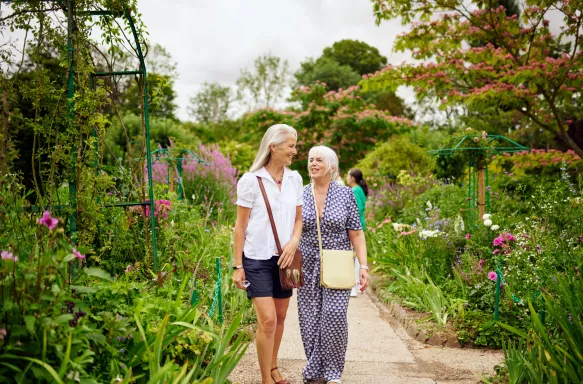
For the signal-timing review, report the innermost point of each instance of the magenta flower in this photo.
(129, 268)
(468, 236)
(499, 240)
(48, 221)
(78, 254)
(496, 251)
(492, 275)
(481, 262)
(508, 237)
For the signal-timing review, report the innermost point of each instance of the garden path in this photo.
(379, 351)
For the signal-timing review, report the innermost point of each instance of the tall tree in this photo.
(358, 55)
(328, 71)
(211, 104)
(523, 67)
(263, 86)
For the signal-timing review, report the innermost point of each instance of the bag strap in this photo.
(273, 228)
(317, 220)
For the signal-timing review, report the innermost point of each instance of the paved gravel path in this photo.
(379, 351)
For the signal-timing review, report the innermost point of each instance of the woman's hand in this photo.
(287, 256)
(363, 279)
(238, 278)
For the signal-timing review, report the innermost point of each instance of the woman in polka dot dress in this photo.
(323, 311)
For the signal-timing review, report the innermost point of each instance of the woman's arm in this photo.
(240, 229)
(359, 243)
(289, 249)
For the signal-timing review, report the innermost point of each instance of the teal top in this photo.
(361, 202)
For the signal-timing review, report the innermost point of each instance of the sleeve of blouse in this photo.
(353, 217)
(246, 190)
(300, 190)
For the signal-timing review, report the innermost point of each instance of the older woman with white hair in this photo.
(257, 259)
(323, 311)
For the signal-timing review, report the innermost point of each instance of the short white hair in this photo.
(330, 159)
(276, 134)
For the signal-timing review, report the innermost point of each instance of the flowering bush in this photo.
(537, 162)
(340, 119)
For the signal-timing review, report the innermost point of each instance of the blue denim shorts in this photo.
(264, 278)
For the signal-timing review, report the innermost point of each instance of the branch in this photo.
(25, 11)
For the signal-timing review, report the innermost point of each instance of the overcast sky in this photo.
(213, 40)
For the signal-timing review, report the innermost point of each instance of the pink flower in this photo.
(496, 251)
(499, 240)
(476, 139)
(468, 236)
(78, 254)
(492, 275)
(373, 230)
(129, 268)
(48, 221)
(481, 262)
(5, 255)
(508, 237)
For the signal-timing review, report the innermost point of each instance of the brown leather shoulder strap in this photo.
(271, 220)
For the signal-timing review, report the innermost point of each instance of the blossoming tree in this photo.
(340, 119)
(475, 54)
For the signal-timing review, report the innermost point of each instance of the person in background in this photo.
(355, 180)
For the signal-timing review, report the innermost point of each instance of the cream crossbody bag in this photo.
(336, 266)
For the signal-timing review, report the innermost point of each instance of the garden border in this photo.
(400, 314)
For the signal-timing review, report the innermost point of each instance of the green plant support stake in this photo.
(194, 296)
(219, 288)
(497, 305)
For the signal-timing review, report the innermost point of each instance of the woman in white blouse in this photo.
(257, 261)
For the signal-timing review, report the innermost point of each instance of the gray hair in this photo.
(330, 159)
(276, 134)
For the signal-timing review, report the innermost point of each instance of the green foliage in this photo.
(484, 57)
(327, 71)
(211, 104)
(342, 120)
(395, 155)
(358, 55)
(264, 85)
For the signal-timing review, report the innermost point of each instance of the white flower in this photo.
(427, 233)
(495, 227)
(486, 216)
(487, 222)
(429, 205)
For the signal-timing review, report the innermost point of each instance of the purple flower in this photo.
(492, 275)
(5, 255)
(48, 221)
(78, 254)
(468, 236)
(499, 240)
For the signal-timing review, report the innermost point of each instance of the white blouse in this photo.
(259, 241)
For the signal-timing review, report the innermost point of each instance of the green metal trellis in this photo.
(478, 181)
(478, 178)
(69, 8)
(163, 154)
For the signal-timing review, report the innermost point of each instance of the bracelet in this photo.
(237, 267)
(364, 267)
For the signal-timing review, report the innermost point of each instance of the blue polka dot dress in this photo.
(323, 311)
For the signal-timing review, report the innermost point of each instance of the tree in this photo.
(358, 55)
(161, 75)
(211, 104)
(264, 85)
(523, 67)
(343, 120)
(328, 71)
